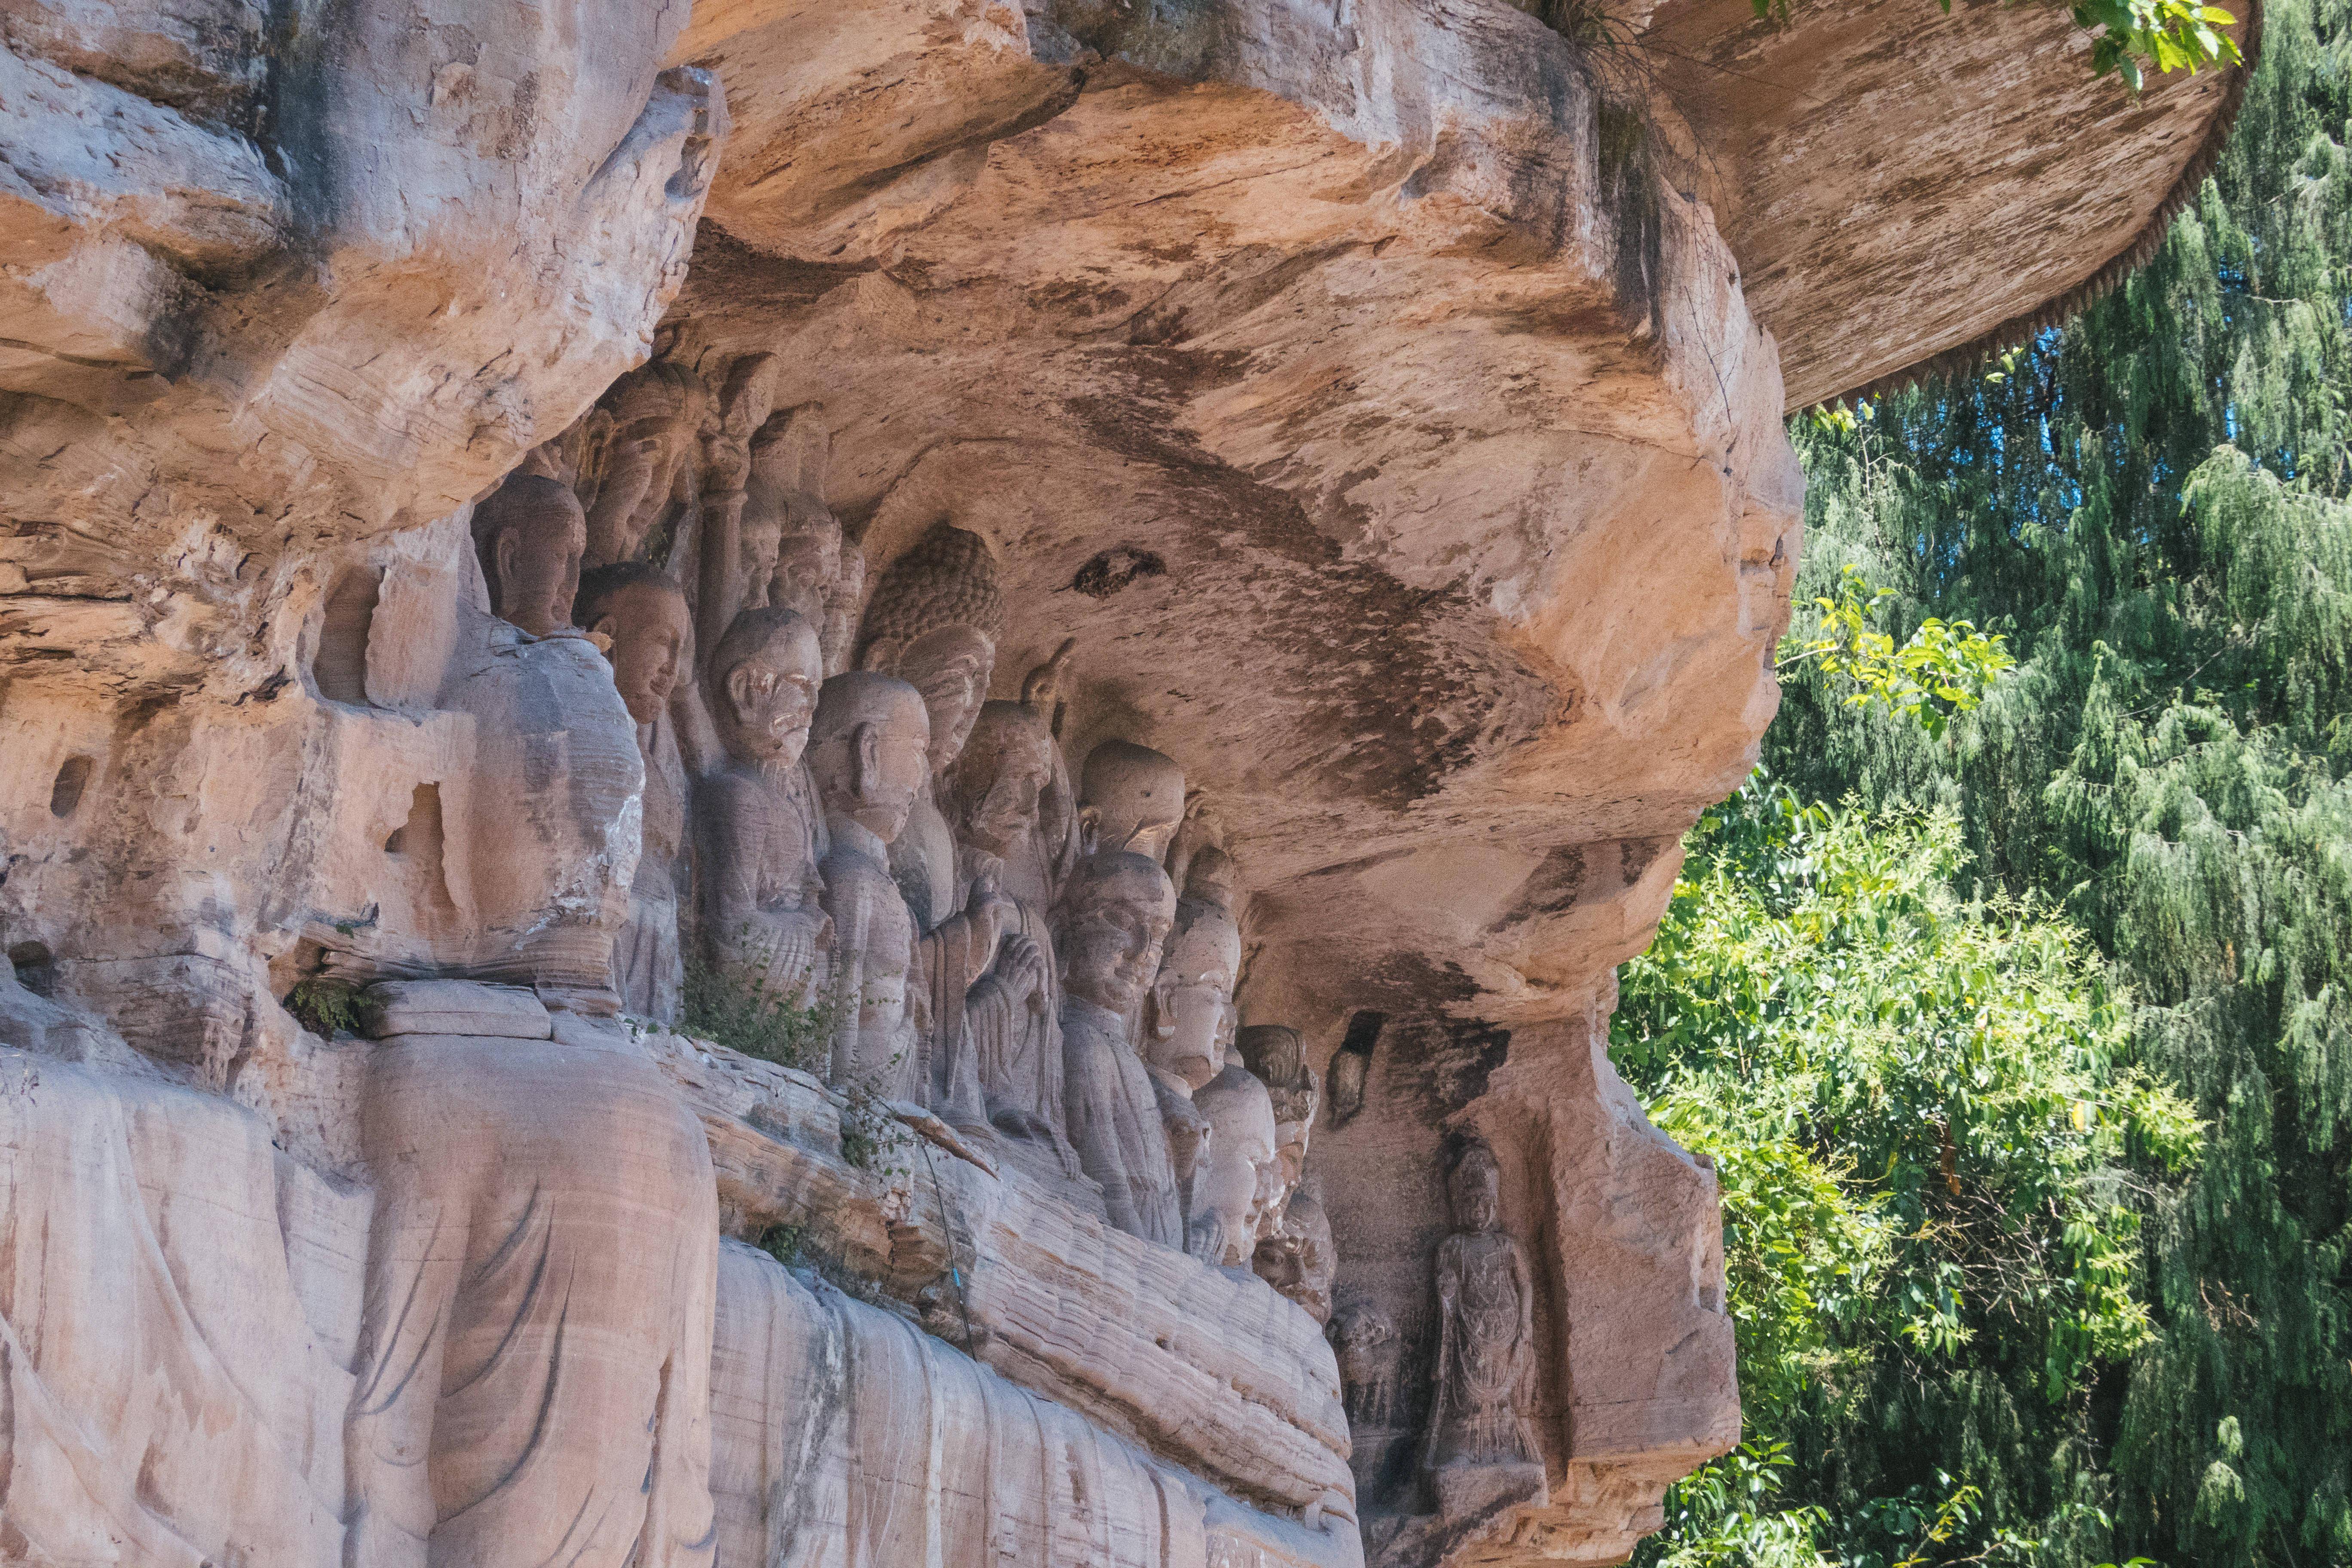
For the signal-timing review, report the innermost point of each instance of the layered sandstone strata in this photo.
(1175, 571)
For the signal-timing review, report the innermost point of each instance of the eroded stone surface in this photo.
(1336, 430)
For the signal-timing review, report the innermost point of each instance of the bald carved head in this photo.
(1131, 797)
(994, 791)
(531, 536)
(868, 750)
(762, 685)
(642, 617)
(1110, 925)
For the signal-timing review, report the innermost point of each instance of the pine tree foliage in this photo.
(2153, 507)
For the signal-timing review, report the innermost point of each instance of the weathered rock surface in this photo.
(1348, 420)
(1902, 186)
(1143, 1340)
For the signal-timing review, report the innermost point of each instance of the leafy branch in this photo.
(1942, 671)
(2170, 35)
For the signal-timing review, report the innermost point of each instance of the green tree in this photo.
(1915, 1107)
(2152, 507)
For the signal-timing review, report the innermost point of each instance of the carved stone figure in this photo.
(534, 1361)
(1238, 1182)
(759, 830)
(1481, 1446)
(793, 556)
(530, 534)
(1193, 999)
(1278, 1056)
(934, 623)
(1350, 1071)
(1296, 1255)
(1366, 1339)
(647, 476)
(992, 797)
(1113, 917)
(1191, 1018)
(867, 752)
(722, 583)
(642, 619)
(1034, 869)
(1131, 798)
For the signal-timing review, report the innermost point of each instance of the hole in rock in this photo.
(418, 843)
(1351, 1063)
(1363, 1032)
(35, 967)
(1114, 569)
(339, 668)
(64, 794)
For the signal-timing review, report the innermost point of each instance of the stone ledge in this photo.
(1214, 1371)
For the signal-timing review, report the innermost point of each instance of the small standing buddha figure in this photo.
(867, 752)
(1482, 1448)
(992, 797)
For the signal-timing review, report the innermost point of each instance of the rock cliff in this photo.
(856, 782)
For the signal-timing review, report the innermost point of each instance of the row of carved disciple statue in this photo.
(835, 811)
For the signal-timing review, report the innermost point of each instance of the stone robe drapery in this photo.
(878, 972)
(1484, 1357)
(177, 1304)
(535, 1368)
(1003, 1049)
(1115, 1123)
(648, 958)
(759, 841)
(848, 1438)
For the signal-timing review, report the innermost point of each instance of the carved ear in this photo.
(1041, 688)
(865, 754)
(808, 448)
(505, 554)
(1089, 828)
(738, 687)
(1163, 1009)
(603, 633)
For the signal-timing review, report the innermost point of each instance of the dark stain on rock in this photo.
(1551, 888)
(1428, 1059)
(1114, 569)
(1401, 685)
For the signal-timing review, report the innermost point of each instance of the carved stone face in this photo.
(1132, 798)
(1193, 994)
(647, 625)
(765, 695)
(1114, 914)
(869, 750)
(1278, 1263)
(808, 559)
(1243, 1173)
(1290, 1155)
(1213, 879)
(1477, 1198)
(1276, 1054)
(996, 784)
(657, 413)
(536, 535)
(641, 468)
(951, 667)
